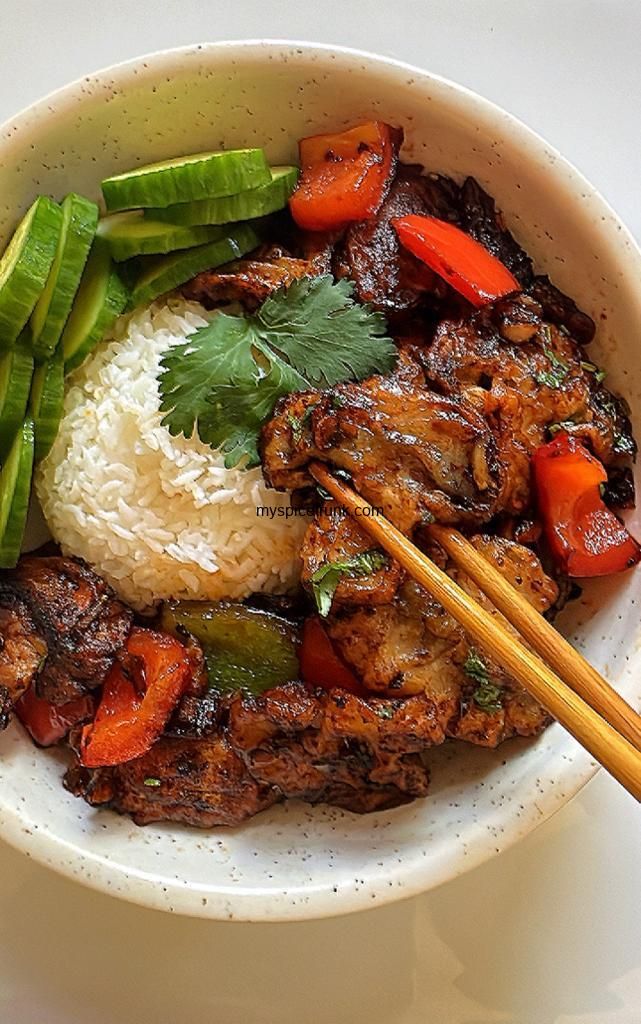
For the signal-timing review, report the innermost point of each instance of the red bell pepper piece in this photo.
(48, 723)
(320, 665)
(584, 535)
(133, 711)
(456, 257)
(344, 177)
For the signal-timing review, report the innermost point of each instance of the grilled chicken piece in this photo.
(525, 375)
(200, 782)
(335, 537)
(412, 646)
(412, 452)
(22, 653)
(248, 281)
(561, 310)
(59, 608)
(385, 274)
(334, 747)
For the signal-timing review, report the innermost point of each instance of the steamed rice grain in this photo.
(157, 516)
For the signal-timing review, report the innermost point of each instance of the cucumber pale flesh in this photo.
(79, 222)
(255, 202)
(25, 266)
(130, 234)
(162, 274)
(186, 178)
(46, 403)
(16, 371)
(15, 489)
(101, 297)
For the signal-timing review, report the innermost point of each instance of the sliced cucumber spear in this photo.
(46, 403)
(162, 273)
(16, 371)
(15, 488)
(25, 266)
(186, 178)
(101, 297)
(79, 222)
(254, 202)
(130, 234)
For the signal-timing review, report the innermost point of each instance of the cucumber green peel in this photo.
(16, 370)
(46, 403)
(25, 266)
(15, 489)
(79, 222)
(130, 234)
(254, 202)
(185, 178)
(101, 297)
(158, 275)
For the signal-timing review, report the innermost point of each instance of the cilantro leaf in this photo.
(226, 379)
(236, 411)
(327, 577)
(310, 323)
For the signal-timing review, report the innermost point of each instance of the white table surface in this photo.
(547, 933)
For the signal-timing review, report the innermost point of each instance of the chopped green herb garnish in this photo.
(226, 379)
(566, 425)
(487, 694)
(151, 782)
(327, 577)
(623, 444)
(298, 423)
(384, 711)
(599, 375)
(554, 377)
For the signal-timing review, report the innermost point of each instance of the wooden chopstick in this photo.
(617, 755)
(549, 644)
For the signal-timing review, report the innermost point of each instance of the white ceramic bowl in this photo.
(294, 861)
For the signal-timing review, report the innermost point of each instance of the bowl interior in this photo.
(294, 861)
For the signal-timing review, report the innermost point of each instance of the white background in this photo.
(547, 933)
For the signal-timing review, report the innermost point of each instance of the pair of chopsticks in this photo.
(575, 694)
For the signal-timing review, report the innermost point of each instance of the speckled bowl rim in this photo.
(248, 904)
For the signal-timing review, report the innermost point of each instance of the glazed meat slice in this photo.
(334, 537)
(385, 274)
(561, 310)
(527, 375)
(248, 281)
(200, 782)
(79, 623)
(22, 652)
(412, 646)
(410, 451)
(334, 747)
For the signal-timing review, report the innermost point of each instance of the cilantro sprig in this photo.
(327, 577)
(226, 379)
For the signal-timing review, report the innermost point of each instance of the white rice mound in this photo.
(157, 516)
